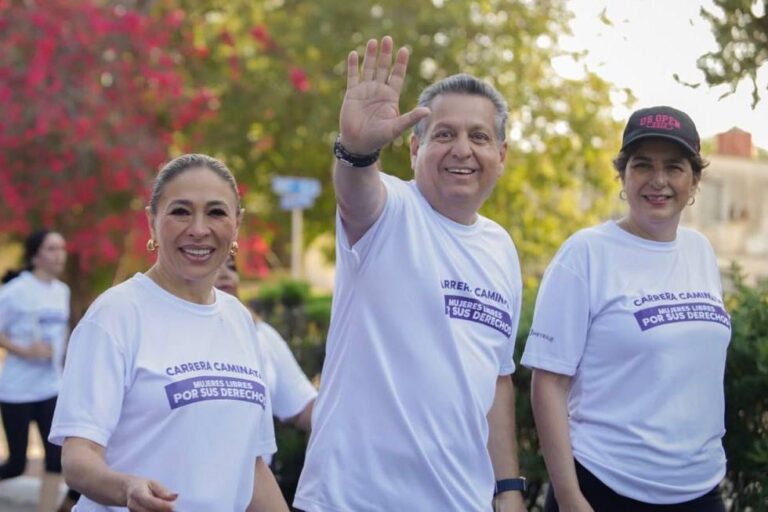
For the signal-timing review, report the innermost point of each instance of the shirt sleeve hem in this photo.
(295, 406)
(541, 363)
(266, 448)
(60, 433)
(507, 369)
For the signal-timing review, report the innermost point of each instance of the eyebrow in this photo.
(188, 203)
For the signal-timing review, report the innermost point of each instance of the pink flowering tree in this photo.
(91, 95)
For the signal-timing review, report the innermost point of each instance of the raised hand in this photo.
(370, 115)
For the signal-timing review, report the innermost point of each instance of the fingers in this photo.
(409, 119)
(398, 70)
(150, 504)
(151, 496)
(369, 61)
(378, 67)
(384, 61)
(352, 76)
(161, 492)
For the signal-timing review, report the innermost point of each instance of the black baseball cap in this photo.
(664, 122)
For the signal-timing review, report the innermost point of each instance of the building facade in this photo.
(731, 207)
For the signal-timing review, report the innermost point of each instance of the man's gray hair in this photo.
(464, 83)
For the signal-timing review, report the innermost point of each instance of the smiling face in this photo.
(459, 159)
(195, 224)
(659, 181)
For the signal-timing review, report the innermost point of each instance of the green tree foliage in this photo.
(746, 395)
(278, 69)
(741, 30)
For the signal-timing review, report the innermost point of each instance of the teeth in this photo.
(460, 170)
(198, 252)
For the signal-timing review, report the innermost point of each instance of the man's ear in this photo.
(502, 156)
(415, 142)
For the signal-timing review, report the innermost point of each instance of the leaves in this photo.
(92, 94)
(279, 114)
(746, 394)
(740, 28)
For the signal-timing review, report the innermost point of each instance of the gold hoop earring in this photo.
(623, 195)
(691, 201)
(234, 248)
(152, 245)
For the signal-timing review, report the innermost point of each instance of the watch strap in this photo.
(510, 484)
(353, 159)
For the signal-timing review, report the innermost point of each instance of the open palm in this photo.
(370, 116)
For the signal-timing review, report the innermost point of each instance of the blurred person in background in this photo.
(629, 339)
(163, 403)
(293, 395)
(34, 325)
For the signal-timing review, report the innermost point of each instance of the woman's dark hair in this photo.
(9, 276)
(31, 246)
(698, 162)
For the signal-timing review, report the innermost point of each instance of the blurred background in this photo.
(96, 95)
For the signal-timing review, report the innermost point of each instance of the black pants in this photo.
(604, 499)
(16, 420)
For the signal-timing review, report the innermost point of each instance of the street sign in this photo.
(296, 194)
(285, 185)
(296, 201)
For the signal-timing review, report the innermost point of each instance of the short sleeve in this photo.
(293, 390)
(6, 307)
(561, 320)
(93, 387)
(354, 256)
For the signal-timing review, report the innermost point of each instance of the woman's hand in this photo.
(148, 496)
(38, 350)
(86, 471)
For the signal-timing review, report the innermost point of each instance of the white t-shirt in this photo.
(424, 318)
(173, 390)
(33, 310)
(290, 390)
(641, 328)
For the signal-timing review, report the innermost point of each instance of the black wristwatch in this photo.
(352, 159)
(510, 484)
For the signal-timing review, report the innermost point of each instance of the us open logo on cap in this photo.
(660, 122)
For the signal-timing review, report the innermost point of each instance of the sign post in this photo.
(296, 194)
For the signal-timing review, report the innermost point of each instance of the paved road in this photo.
(20, 494)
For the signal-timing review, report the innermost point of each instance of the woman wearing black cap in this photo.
(34, 326)
(629, 339)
